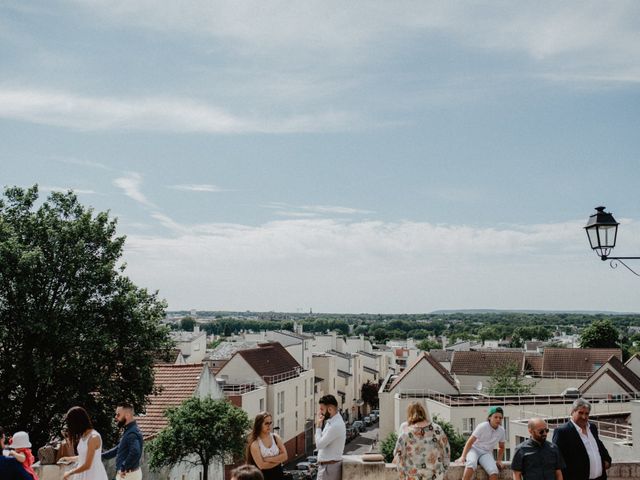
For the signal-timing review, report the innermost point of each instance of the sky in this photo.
(381, 157)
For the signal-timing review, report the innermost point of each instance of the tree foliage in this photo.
(456, 439)
(508, 380)
(388, 445)
(427, 345)
(369, 393)
(74, 330)
(600, 334)
(187, 324)
(200, 431)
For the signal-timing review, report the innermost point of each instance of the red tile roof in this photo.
(177, 383)
(533, 362)
(271, 361)
(576, 360)
(484, 362)
(615, 365)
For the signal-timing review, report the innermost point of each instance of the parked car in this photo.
(309, 469)
(352, 433)
(367, 421)
(359, 425)
(313, 460)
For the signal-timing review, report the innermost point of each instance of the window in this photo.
(281, 428)
(505, 424)
(296, 428)
(280, 402)
(468, 425)
(297, 397)
(262, 404)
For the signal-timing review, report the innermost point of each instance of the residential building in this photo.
(267, 377)
(175, 384)
(193, 345)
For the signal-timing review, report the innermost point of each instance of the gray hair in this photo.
(579, 403)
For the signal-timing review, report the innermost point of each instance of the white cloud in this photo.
(590, 38)
(335, 209)
(377, 266)
(154, 114)
(130, 185)
(198, 187)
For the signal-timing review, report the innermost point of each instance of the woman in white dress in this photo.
(89, 459)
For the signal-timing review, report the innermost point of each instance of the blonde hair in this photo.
(416, 413)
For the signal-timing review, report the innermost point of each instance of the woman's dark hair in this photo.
(255, 433)
(78, 422)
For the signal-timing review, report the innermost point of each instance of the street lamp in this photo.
(602, 232)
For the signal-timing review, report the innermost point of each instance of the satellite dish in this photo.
(479, 387)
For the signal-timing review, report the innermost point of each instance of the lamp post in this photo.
(602, 232)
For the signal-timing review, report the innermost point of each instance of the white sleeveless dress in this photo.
(96, 471)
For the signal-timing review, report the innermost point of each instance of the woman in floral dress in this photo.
(422, 450)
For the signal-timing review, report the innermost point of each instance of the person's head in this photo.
(538, 429)
(328, 405)
(580, 412)
(78, 422)
(494, 416)
(124, 414)
(246, 472)
(1, 437)
(416, 413)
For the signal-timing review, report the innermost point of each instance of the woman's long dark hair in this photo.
(78, 422)
(255, 433)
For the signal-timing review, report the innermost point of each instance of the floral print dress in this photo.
(424, 453)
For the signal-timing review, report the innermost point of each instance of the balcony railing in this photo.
(281, 377)
(480, 399)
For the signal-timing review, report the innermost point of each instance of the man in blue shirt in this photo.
(129, 451)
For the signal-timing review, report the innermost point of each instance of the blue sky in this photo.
(359, 157)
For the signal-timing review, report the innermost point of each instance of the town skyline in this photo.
(348, 158)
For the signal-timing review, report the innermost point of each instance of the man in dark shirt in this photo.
(535, 458)
(129, 451)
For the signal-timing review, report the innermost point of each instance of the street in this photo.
(362, 443)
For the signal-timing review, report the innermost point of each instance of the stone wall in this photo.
(353, 468)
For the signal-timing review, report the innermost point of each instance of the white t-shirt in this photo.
(487, 437)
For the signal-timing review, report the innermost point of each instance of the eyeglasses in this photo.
(544, 430)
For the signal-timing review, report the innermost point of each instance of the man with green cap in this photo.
(479, 447)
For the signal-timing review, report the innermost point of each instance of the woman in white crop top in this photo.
(265, 449)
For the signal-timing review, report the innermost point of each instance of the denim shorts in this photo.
(475, 457)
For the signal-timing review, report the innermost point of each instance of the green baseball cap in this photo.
(493, 410)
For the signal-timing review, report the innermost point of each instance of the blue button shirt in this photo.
(129, 451)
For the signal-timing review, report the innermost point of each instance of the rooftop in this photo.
(176, 384)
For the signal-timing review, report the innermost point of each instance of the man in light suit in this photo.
(585, 456)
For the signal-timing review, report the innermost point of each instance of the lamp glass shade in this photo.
(602, 231)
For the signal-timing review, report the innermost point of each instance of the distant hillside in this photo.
(535, 312)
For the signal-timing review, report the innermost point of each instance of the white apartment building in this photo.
(192, 345)
(269, 378)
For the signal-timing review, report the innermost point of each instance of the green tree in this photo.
(74, 330)
(199, 432)
(426, 345)
(388, 445)
(456, 439)
(508, 380)
(600, 334)
(187, 324)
